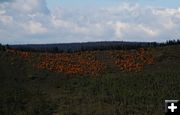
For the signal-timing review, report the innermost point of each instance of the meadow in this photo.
(119, 82)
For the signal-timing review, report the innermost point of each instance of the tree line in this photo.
(109, 46)
(2, 47)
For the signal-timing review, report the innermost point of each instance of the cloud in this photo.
(5, 19)
(32, 22)
(125, 31)
(34, 27)
(29, 6)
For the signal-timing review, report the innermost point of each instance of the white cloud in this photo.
(29, 6)
(6, 19)
(120, 28)
(58, 23)
(34, 27)
(125, 30)
(149, 31)
(30, 21)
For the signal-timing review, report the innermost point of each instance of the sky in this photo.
(67, 21)
(99, 3)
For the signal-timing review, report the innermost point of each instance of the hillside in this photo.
(28, 89)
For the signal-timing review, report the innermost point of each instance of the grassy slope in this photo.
(24, 90)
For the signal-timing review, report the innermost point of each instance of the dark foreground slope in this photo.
(24, 90)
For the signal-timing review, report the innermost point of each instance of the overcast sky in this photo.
(59, 21)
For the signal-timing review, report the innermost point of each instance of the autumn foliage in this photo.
(133, 60)
(87, 62)
(77, 63)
